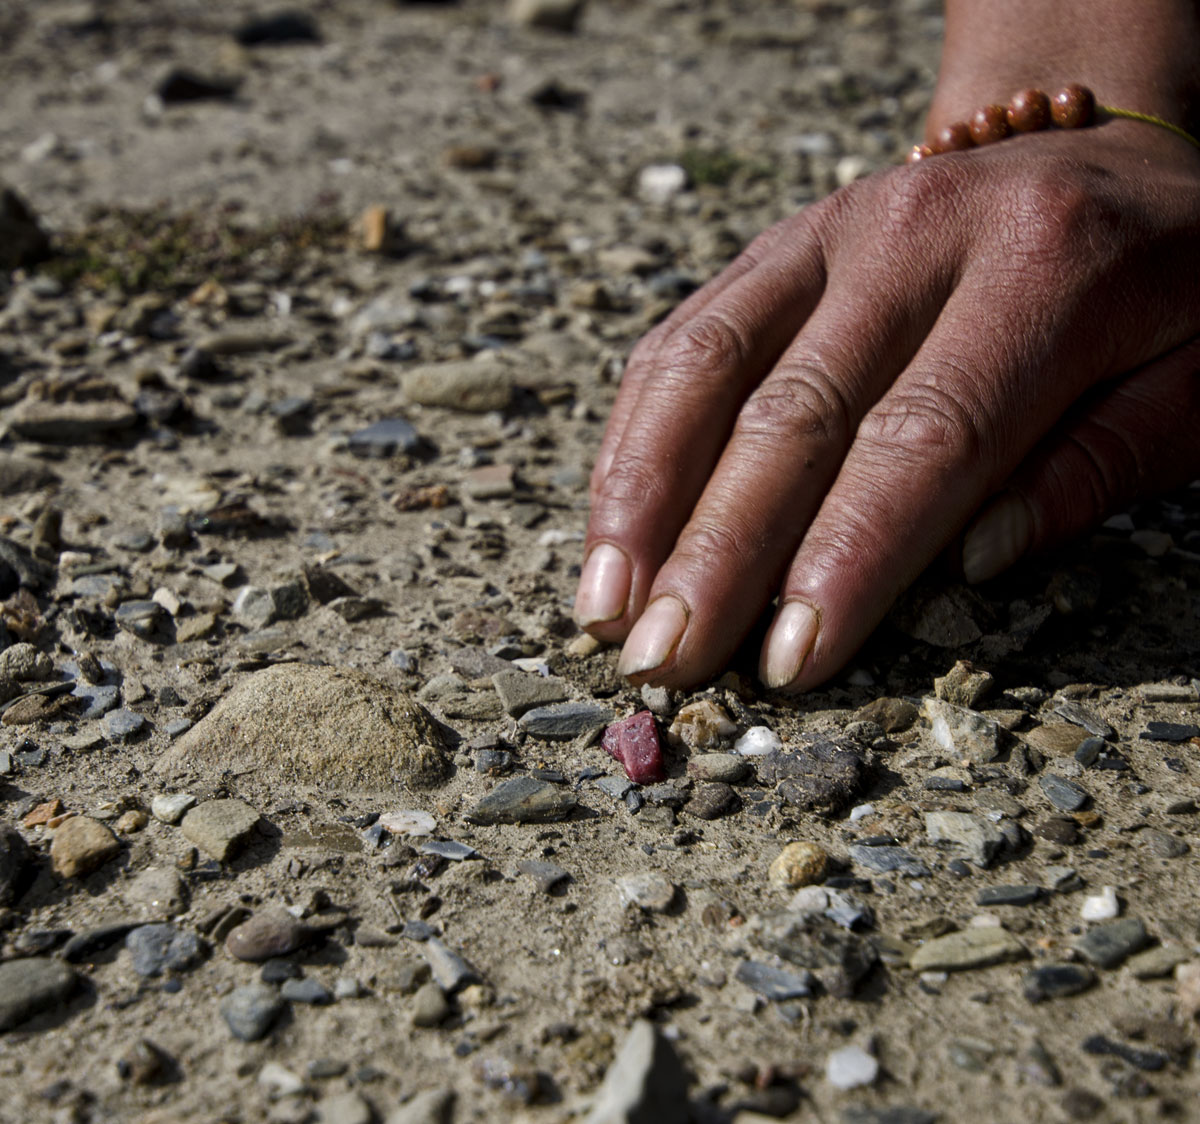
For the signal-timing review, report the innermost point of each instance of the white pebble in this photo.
(408, 821)
(169, 807)
(861, 811)
(279, 1082)
(851, 1068)
(1103, 906)
(660, 183)
(809, 899)
(757, 741)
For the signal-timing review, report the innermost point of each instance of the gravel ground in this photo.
(312, 797)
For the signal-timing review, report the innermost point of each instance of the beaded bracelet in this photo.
(1073, 107)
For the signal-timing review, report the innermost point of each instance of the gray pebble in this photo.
(30, 986)
(1008, 895)
(521, 692)
(523, 800)
(449, 969)
(616, 787)
(1064, 794)
(728, 768)
(384, 439)
(1170, 731)
(122, 725)
(449, 849)
(1162, 844)
(99, 698)
(1109, 945)
(773, 983)
(544, 874)
(565, 721)
(978, 837)
(888, 860)
(249, 1011)
(305, 991)
(429, 1006)
(142, 618)
(156, 949)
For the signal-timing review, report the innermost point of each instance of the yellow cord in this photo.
(1149, 119)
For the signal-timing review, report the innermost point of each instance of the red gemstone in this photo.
(634, 742)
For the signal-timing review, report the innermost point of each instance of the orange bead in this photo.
(990, 124)
(917, 153)
(1073, 107)
(953, 138)
(1029, 111)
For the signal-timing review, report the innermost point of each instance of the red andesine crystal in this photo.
(634, 742)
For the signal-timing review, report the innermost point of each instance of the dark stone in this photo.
(823, 776)
(775, 984)
(277, 28)
(305, 991)
(17, 864)
(1151, 1060)
(523, 800)
(325, 586)
(1053, 981)
(180, 85)
(156, 949)
(1058, 830)
(249, 1011)
(31, 572)
(1064, 794)
(1079, 715)
(84, 945)
(839, 959)
(564, 721)
(1008, 895)
(22, 240)
(277, 971)
(713, 800)
(1110, 945)
(1170, 731)
(888, 860)
(1082, 1104)
(894, 1114)
(29, 987)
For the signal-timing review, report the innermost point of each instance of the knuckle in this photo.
(629, 485)
(927, 425)
(708, 539)
(1058, 213)
(913, 199)
(706, 344)
(800, 403)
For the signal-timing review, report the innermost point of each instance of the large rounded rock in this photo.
(330, 727)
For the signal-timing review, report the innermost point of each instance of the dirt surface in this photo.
(189, 500)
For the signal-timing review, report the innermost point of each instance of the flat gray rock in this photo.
(978, 838)
(331, 727)
(520, 692)
(220, 828)
(1109, 945)
(472, 386)
(966, 949)
(29, 987)
(523, 800)
(888, 860)
(565, 721)
(249, 1011)
(776, 984)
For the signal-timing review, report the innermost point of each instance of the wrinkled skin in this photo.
(1012, 330)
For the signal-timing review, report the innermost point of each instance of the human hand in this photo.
(1020, 321)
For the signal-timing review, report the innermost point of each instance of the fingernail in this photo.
(997, 539)
(792, 638)
(603, 586)
(655, 636)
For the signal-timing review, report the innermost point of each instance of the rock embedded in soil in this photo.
(967, 949)
(81, 845)
(170, 807)
(31, 986)
(429, 1006)
(156, 949)
(1108, 946)
(634, 742)
(798, 864)
(17, 864)
(309, 991)
(523, 800)
(964, 685)
(449, 969)
(821, 777)
(888, 860)
(729, 768)
(475, 386)
(331, 727)
(22, 240)
(775, 984)
(267, 934)
(1064, 794)
(648, 890)
(851, 1068)
(701, 726)
(250, 1011)
(520, 692)
(713, 800)
(220, 828)
(384, 439)
(646, 1083)
(962, 732)
(979, 840)
(891, 715)
(565, 721)
(1054, 981)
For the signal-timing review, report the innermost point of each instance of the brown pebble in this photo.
(989, 124)
(711, 801)
(269, 933)
(80, 846)
(1073, 107)
(953, 138)
(1057, 830)
(1029, 111)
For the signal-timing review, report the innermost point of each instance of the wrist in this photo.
(1140, 56)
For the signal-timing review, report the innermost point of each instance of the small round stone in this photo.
(798, 864)
(989, 124)
(954, 138)
(917, 153)
(1029, 111)
(1073, 107)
